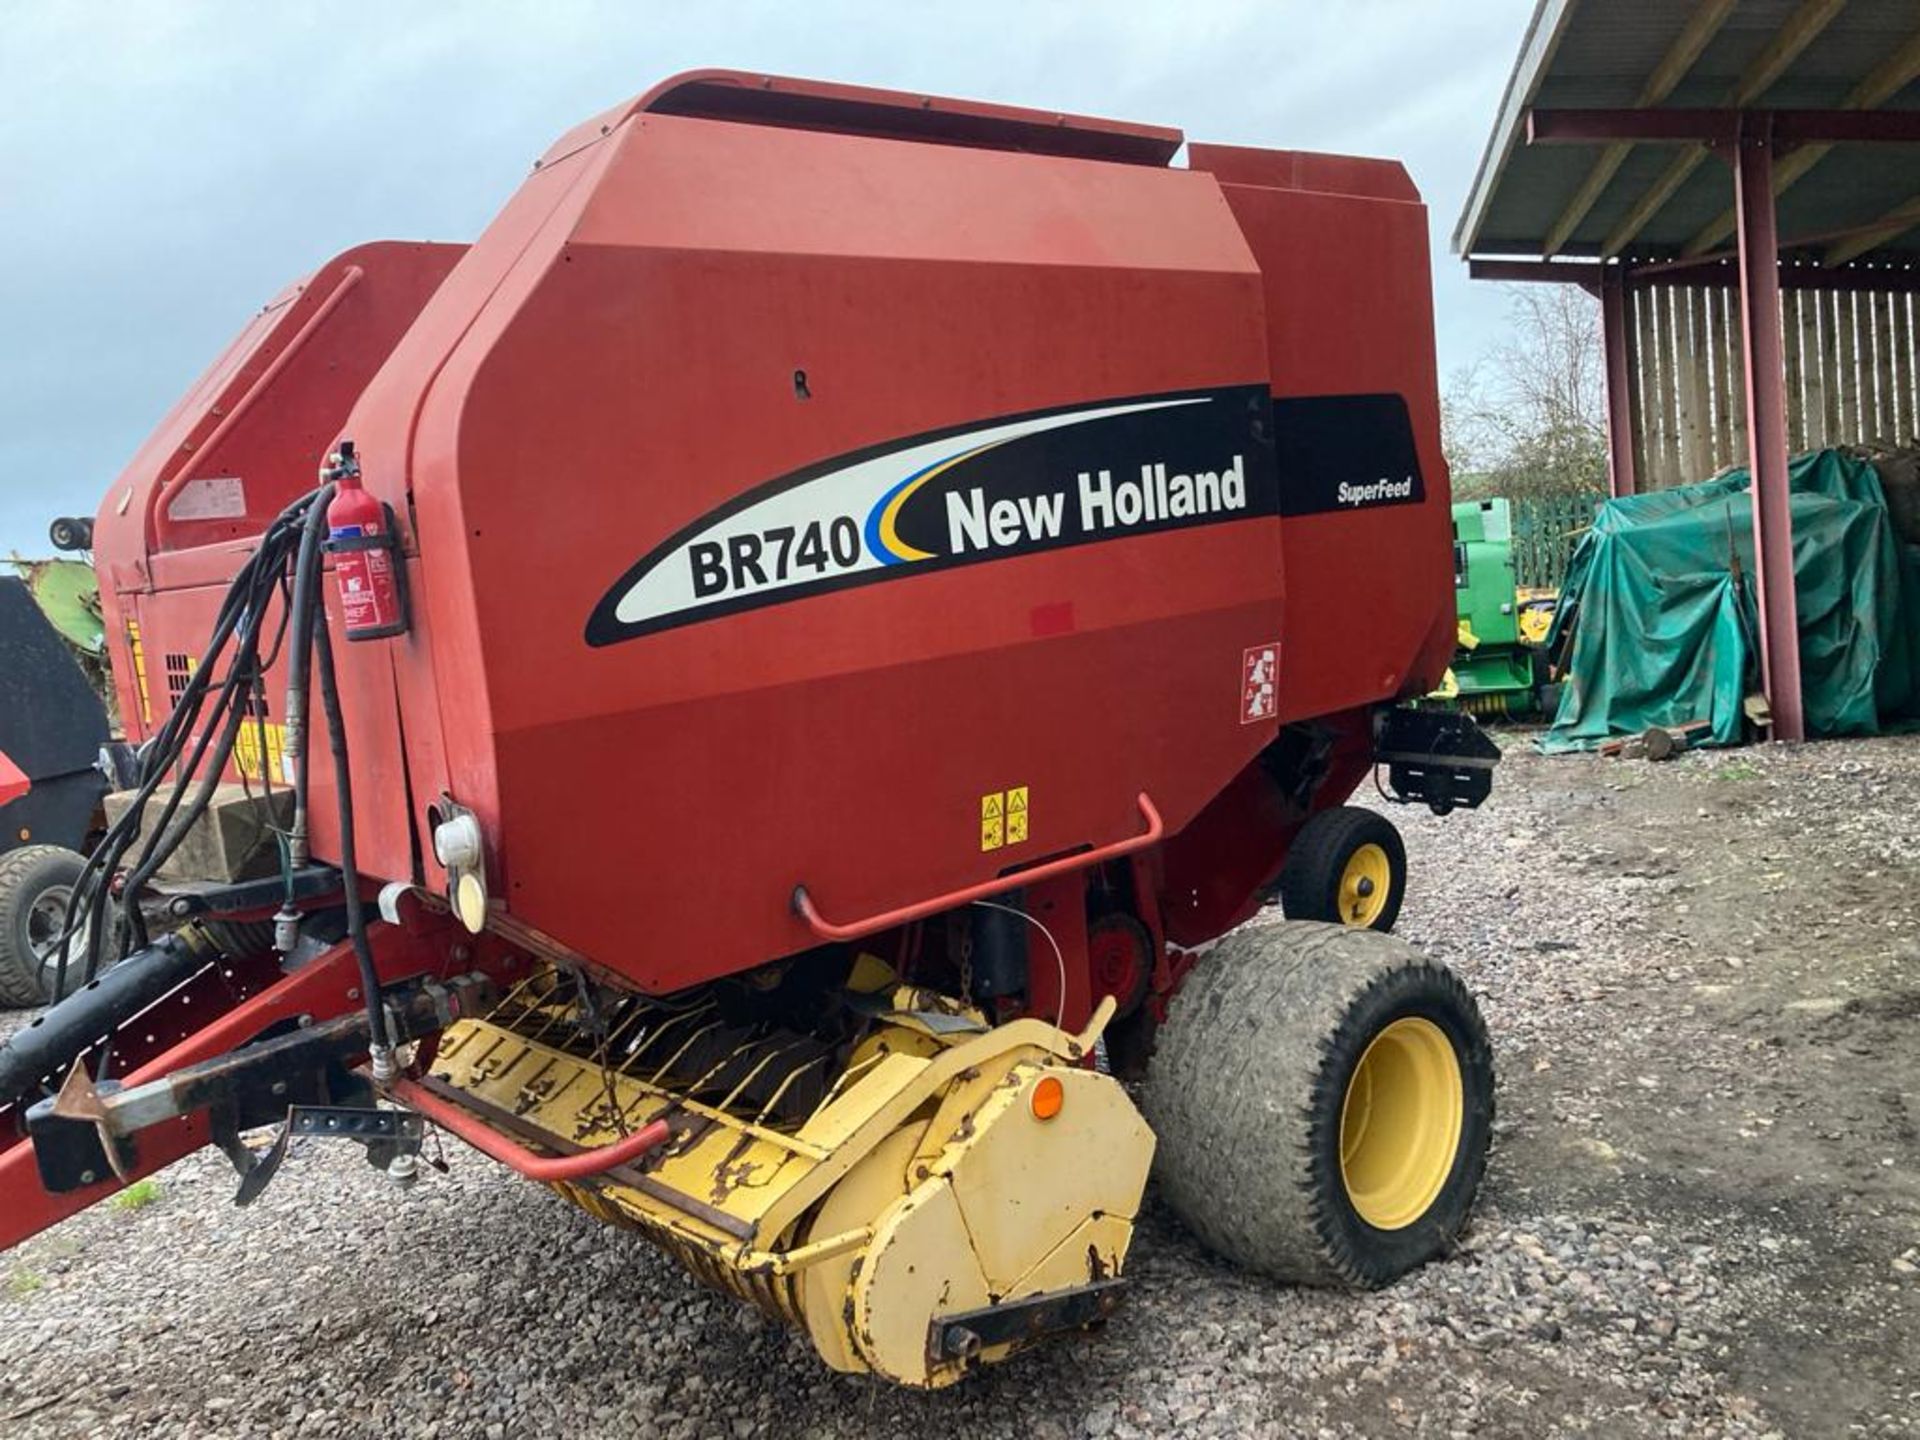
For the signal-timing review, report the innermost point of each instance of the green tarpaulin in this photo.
(1659, 599)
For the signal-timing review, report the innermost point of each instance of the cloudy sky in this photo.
(166, 166)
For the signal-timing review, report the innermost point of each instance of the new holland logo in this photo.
(975, 494)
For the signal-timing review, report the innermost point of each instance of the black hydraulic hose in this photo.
(168, 832)
(349, 869)
(167, 835)
(186, 709)
(250, 589)
(92, 890)
(306, 596)
(166, 841)
(92, 896)
(243, 607)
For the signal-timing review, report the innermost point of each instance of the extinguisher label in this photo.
(369, 599)
(968, 495)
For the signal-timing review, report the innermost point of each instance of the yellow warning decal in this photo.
(1016, 814)
(1003, 817)
(993, 824)
(140, 671)
(246, 752)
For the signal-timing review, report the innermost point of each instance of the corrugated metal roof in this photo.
(1579, 54)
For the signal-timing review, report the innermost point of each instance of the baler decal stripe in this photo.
(992, 489)
(883, 536)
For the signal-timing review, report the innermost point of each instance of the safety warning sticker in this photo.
(1003, 817)
(248, 758)
(993, 821)
(1259, 683)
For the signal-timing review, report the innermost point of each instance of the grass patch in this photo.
(1737, 770)
(137, 1196)
(23, 1283)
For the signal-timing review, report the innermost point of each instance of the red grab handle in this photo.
(827, 930)
(484, 1138)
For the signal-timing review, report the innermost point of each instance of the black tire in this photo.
(35, 881)
(1314, 876)
(1248, 1090)
(71, 532)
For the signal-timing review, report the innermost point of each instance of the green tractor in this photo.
(1500, 666)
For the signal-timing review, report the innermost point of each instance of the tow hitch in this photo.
(89, 1129)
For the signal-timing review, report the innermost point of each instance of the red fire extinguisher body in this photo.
(363, 565)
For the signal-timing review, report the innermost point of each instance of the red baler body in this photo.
(721, 311)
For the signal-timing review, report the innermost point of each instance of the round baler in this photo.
(53, 729)
(887, 590)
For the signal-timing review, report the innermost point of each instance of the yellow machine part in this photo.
(1491, 704)
(1537, 608)
(950, 1168)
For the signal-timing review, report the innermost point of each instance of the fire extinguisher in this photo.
(367, 565)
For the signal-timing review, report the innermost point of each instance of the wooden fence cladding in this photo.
(1850, 376)
(1546, 528)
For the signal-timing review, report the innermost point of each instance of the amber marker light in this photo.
(1048, 1096)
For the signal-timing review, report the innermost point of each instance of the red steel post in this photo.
(1621, 479)
(1767, 431)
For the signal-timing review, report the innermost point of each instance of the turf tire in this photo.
(29, 875)
(1246, 1086)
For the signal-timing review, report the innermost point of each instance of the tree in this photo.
(1529, 418)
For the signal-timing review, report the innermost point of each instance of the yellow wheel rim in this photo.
(1400, 1123)
(1364, 886)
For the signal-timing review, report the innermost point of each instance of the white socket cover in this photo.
(456, 843)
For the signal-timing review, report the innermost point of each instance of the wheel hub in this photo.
(46, 919)
(1364, 885)
(46, 922)
(1400, 1123)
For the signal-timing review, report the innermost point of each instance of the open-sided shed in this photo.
(1739, 183)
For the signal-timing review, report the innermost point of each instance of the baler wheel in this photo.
(1323, 1102)
(35, 883)
(1347, 866)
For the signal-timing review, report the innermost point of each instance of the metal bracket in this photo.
(385, 1133)
(80, 1104)
(188, 899)
(963, 1335)
(1438, 757)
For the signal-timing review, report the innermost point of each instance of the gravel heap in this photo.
(1702, 1217)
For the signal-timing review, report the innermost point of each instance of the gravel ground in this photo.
(1702, 1215)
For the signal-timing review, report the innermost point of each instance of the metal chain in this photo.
(597, 1027)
